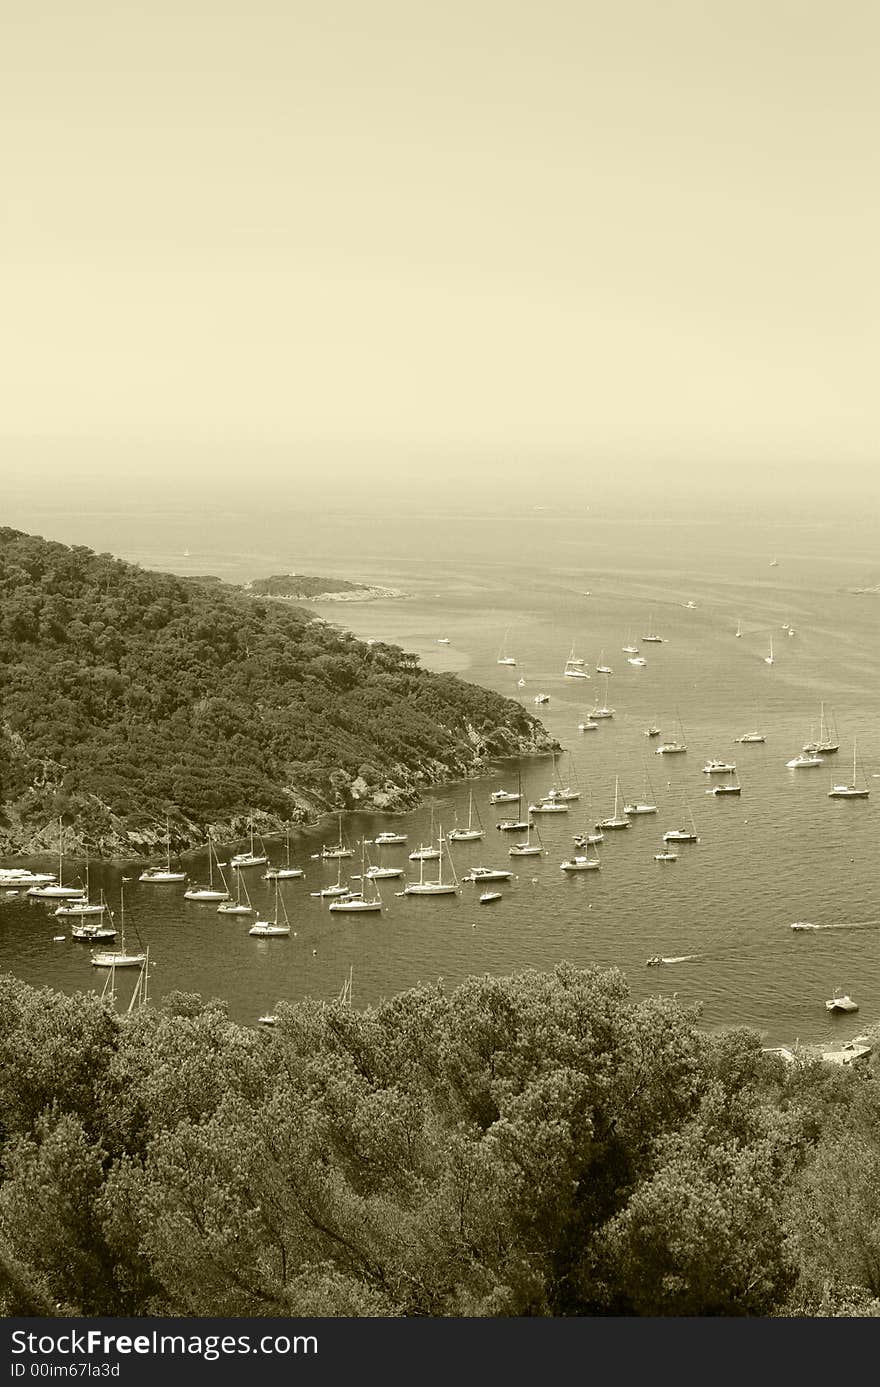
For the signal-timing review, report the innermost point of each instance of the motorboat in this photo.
(588, 726)
(442, 640)
(731, 787)
(801, 926)
(586, 840)
(690, 606)
(680, 835)
(652, 731)
(804, 759)
(541, 698)
(505, 797)
(21, 876)
(665, 855)
(841, 1001)
(389, 839)
(548, 806)
(580, 864)
(488, 874)
(637, 660)
(513, 825)
(383, 873)
(93, 933)
(488, 896)
(750, 738)
(713, 767)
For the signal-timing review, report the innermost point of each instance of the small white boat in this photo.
(424, 854)
(652, 731)
(504, 658)
(552, 806)
(57, 892)
(690, 606)
(601, 667)
(637, 660)
(389, 839)
(77, 909)
(666, 855)
(802, 925)
(768, 659)
(525, 850)
(730, 787)
(268, 929)
(677, 747)
(488, 874)
(505, 797)
(287, 872)
(750, 738)
(120, 958)
(841, 1001)
(804, 759)
(22, 876)
(713, 767)
(617, 820)
(680, 835)
(442, 640)
(209, 892)
(853, 790)
(488, 896)
(738, 632)
(383, 873)
(586, 840)
(513, 825)
(474, 831)
(580, 864)
(238, 906)
(574, 668)
(642, 806)
(588, 726)
(541, 698)
(162, 876)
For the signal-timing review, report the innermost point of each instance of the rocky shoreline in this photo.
(93, 828)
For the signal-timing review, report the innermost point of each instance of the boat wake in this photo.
(677, 958)
(838, 924)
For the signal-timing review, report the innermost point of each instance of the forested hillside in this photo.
(536, 1145)
(127, 694)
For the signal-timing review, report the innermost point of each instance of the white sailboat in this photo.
(249, 858)
(666, 854)
(76, 909)
(739, 628)
(601, 710)
(574, 668)
(616, 819)
(642, 806)
(57, 891)
(580, 862)
(473, 832)
(674, 748)
(731, 786)
(339, 849)
(504, 657)
(652, 638)
(337, 888)
(94, 931)
(601, 667)
(160, 876)
(209, 892)
(268, 929)
(683, 835)
(629, 648)
(287, 872)
(438, 887)
(768, 659)
(853, 790)
(426, 852)
(119, 958)
(527, 848)
(357, 903)
(238, 906)
(827, 743)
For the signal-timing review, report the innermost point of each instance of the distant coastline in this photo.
(304, 587)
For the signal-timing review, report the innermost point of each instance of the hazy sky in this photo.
(632, 229)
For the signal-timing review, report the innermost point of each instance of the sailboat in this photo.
(555, 793)
(768, 659)
(644, 806)
(827, 742)
(601, 667)
(617, 820)
(337, 889)
(357, 903)
(57, 890)
(340, 849)
(119, 958)
(666, 854)
(739, 627)
(683, 835)
(629, 648)
(94, 931)
(851, 791)
(209, 892)
(503, 657)
(267, 929)
(673, 748)
(162, 875)
(602, 710)
(438, 887)
(651, 638)
(76, 909)
(472, 833)
(574, 668)
(238, 906)
(429, 852)
(580, 862)
(287, 872)
(249, 858)
(527, 848)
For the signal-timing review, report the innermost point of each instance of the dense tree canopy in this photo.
(535, 1145)
(126, 694)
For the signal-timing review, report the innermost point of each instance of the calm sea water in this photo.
(783, 851)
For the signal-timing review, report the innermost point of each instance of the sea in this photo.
(544, 577)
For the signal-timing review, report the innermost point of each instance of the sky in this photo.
(635, 236)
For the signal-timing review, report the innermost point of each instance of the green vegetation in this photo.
(535, 1145)
(301, 585)
(128, 694)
